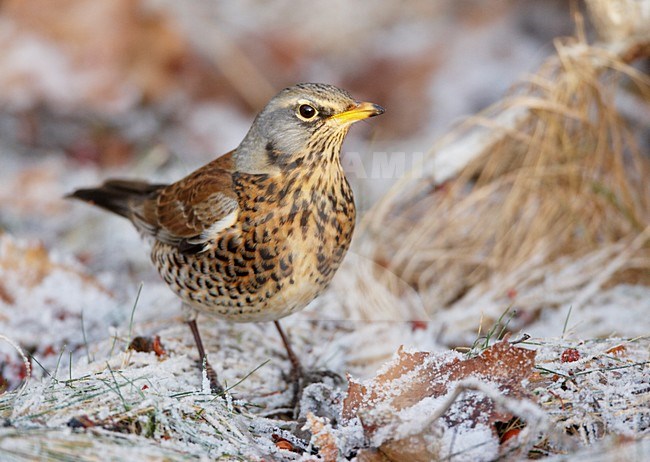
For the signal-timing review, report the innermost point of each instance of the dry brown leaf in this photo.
(323, 438)
(618, 350)
(413, 377)
(502, 364)
(371, 455)
(148, 345)
(409, 449)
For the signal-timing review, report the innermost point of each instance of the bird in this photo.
(256, 234)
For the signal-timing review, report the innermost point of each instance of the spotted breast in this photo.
(291, 234)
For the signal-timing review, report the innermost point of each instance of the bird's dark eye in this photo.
(306, 111)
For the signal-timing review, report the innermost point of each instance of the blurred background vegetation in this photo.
(104, 83)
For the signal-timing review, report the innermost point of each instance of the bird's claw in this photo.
(301, 379)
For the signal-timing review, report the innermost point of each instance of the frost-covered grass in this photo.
(137, 403)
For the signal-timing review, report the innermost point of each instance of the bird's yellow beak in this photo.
(359, 112)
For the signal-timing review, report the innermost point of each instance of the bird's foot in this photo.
(298, 378)
(215, 386)
(301, 379)
(207, 371)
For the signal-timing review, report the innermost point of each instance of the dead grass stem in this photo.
(558, 174)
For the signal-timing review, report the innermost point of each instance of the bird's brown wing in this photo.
(193, 211)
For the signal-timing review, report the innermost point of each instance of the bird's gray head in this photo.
(303, 124)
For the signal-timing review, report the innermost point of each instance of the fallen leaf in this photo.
(371, 455)
(158, 347)
(148, 345)
(282, 443)
(322, 438)
(513, 432)
(412, 378)
(618, 350)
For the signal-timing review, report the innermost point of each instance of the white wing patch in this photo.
(216, 205)
(219, 226)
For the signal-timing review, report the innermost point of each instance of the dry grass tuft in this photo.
(557, 174)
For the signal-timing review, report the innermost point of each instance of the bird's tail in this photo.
(117, 196)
